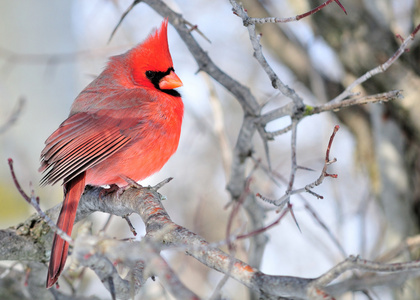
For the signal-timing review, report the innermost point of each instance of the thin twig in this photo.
(34, 201)
(265, 228)
(130, 225)
(256, 45)
(195, 28)
(334, 103)
(328, 161)
(335, 106)
(308, 188)
(271, 135)
(162, 183)
(318, 219)
(293, 150)
(289, 191)
(107, 223)
(379, 69)
(295, 18)
(354, 262)
(135, 2)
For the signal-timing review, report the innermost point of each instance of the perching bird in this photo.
(125, 123)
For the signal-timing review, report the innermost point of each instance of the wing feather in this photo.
(81, 142)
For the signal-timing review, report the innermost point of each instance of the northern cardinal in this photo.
(125, 123)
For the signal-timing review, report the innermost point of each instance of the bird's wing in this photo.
(81, 142)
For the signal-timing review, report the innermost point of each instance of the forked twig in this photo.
(308, 188)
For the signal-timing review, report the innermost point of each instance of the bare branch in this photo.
(165, 233)
(335, 106)
(97, 252)
(266, 228)
(334, 103)
(380, 69)
(255, 41)
(353, 263)
(101, 253)
(295, 18)
(241, 92)
(308, 188)
(410, 244)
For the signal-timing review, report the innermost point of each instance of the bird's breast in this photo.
(154, 134)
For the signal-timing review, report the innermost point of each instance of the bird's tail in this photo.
(72, 192)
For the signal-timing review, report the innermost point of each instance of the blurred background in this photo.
(50, 50)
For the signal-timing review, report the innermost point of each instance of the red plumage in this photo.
(125, 123)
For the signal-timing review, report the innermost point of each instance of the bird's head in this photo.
(151, 62)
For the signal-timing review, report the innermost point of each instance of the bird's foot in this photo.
(113, 188)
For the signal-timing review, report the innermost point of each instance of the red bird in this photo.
(125, 123)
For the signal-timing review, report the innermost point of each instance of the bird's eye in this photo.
(150, 74)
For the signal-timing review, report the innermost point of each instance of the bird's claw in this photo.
(113, 188)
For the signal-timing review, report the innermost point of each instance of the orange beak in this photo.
(170, 81)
